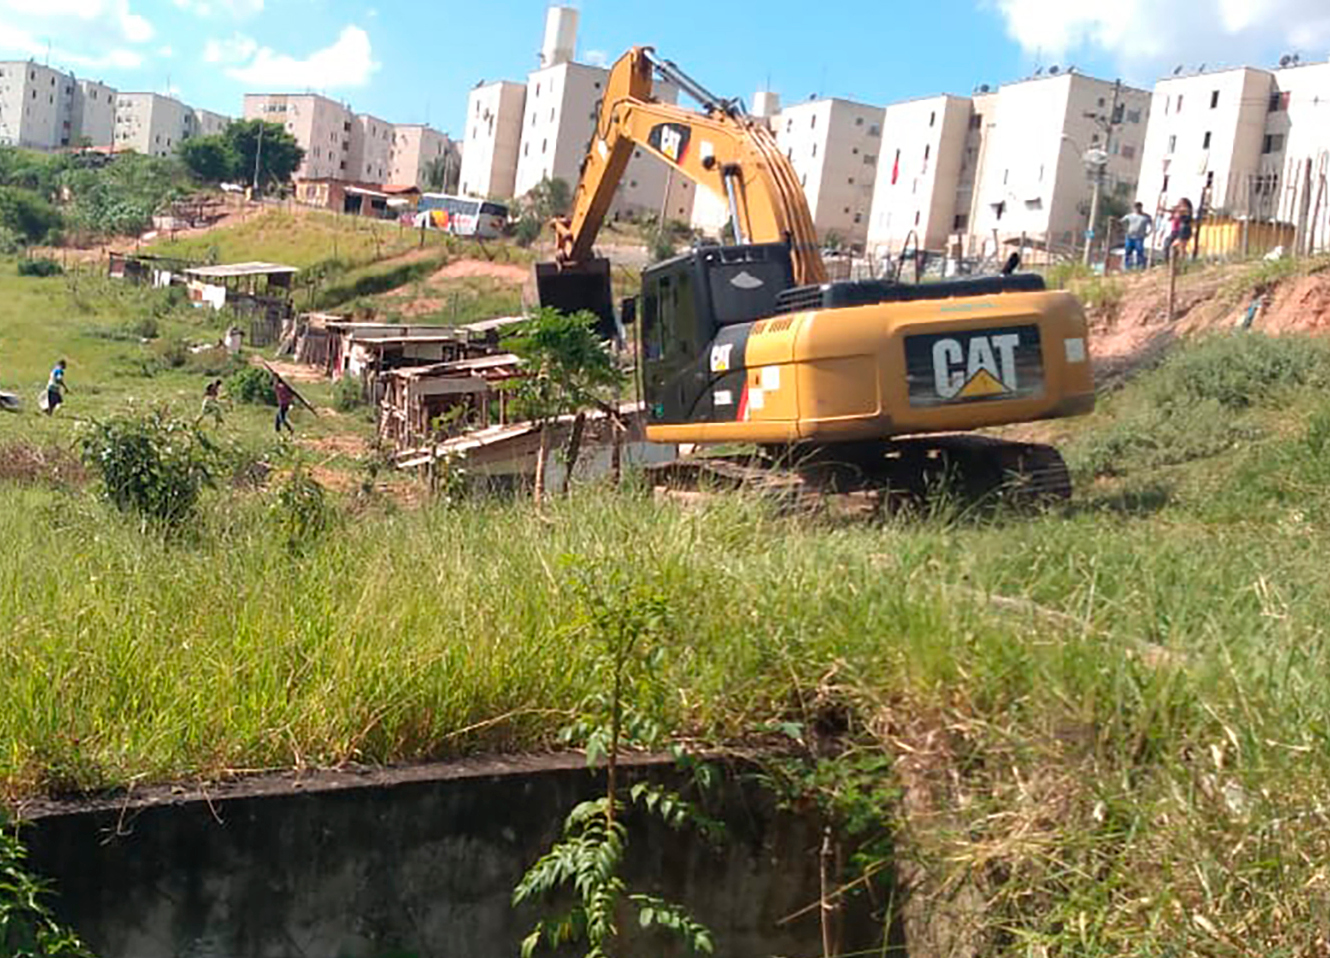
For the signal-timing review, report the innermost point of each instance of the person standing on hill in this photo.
(285, 396)
(1180, 234)
(56, 388)
(1138, 225)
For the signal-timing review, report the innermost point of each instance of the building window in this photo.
(875, 130)
(789, 125)
(858, 218)
(803, 181)
(1276, 103)
(537, 89)
(1128, 152)
(932, 118)
(852, 181)
(1274, 142)
(846, 211)
(1101, 101)
(928, 151)
(526, 149)
(916, 217)
(869, 159)
(960, 222)
(1005, 174)
(858, 121)
(1164, 187)
(1178, 108)
(1214, 99)
(976, 120)
(544, 145)
(1205, 142)
(551, 114)
(1210, 179)
(814, 153)
(812, 122)
(854, 151)
(1172, 142)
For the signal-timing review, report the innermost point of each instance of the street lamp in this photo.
(1096, 161)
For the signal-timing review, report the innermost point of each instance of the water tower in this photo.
(560, 36)
(766, 103)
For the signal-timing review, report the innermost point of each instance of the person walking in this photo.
(212, 402)
(1138, 225)
(56, 387)
(285, 396)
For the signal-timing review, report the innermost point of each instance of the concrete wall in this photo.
(492, 139)
(36, 106)
(94, 113)
(152, 124)
(423, 862)
(414, 147)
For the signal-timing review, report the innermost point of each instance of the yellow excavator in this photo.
(872, 381)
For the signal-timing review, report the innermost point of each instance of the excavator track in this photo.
(888, 475)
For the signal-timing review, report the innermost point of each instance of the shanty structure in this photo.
(358, 199)
(503, 457)
(423, 404)
(257, 291)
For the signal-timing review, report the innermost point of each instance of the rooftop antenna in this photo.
(1177, 70)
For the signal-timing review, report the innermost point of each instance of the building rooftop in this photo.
(232, 270)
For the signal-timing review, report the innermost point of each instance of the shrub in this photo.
(27, 926)
(348, 394)
(252, 385)
(40, 266)
(1238, 371)
(27, 215)
(301, 511)
(152, 464)
(170, 353)
(527, 230)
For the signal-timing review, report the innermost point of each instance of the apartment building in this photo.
(152, 124)
(93, 117)
(834, 146)
(415, 149)
(492, 140)
(916, 195)
(324, 128)
(1034, 182)
(371, 145)
(36, 106)
(211, 124)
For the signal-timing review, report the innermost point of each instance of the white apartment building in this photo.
(414, 149)
(834, 145)
(1239, 142)
(1033, 180)
(492, 139)
(917, 189)
(324, 128)
(152, 124)
(561, 108)
(210, 123)
(371, 146)
(36, 106)
(94, 113)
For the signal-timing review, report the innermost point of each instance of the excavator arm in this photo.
(723, 150)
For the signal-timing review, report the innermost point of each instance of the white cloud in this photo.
(239, 9)
(1146, 37)
(23, 42)
(166, 52)
(349, 62)
(93, 21)
(235, 50)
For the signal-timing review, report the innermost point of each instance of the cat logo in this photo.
(670, 140)
(983, 368)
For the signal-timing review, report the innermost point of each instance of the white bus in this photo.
(462, 216)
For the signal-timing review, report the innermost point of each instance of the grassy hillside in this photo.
(1096, 731)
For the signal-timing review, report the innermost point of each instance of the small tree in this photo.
(211, 159)
(550, 198)
(27, 215)
(568, 367)
(276, 151)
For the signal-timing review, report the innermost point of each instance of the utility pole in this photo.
(258, 155)
(1107, 123)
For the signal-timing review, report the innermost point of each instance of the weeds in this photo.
(27, 927)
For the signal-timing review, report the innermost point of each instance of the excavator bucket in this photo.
(572, 288)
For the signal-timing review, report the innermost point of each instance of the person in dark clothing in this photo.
(285, 397)
(1180, 231)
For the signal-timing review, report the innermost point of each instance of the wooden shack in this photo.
(422, 404)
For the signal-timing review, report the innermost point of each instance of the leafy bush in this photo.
(171, 353)
(27, 927)
(27, 215)
(252, 385)
(40, 266)
(301, 511)
(152, 464)
(348, 394)
(1238, 371)
(527, 230)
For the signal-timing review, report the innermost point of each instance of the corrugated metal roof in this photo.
(240, 269)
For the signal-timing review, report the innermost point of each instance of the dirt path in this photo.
(467, 268)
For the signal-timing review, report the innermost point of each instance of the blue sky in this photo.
(415, 62)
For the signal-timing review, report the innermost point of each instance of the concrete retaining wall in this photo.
(415, 863)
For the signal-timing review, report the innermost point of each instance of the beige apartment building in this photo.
(36, 106)
(210, 123)
(371, 146)
(94, 114)
(414, 149)
(321, 126)
(835, 147)
(492, 139)
(916, 196)
(152, 124)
